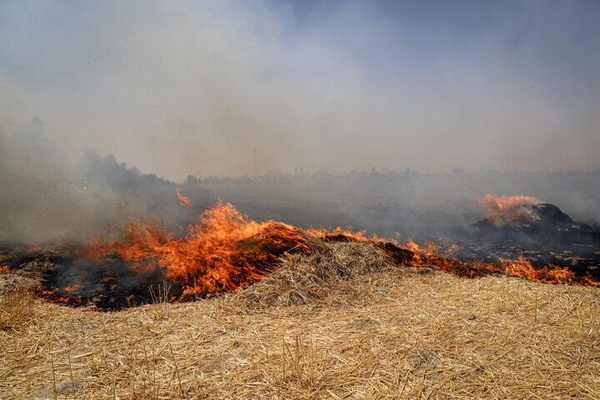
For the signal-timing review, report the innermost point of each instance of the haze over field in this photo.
(208, 87)
(93, 95)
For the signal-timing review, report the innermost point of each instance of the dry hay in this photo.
(344, 326)
(16, 304)
(309, 279)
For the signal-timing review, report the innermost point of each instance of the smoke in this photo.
(49, 197)
(34, 174)
(236, 88)
(198, 88)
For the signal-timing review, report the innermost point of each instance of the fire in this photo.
(341, 234)
(432, 255)
(546, 274)
(66, 296)
(184, 200)
(553, 274)
(506, 208)
(72, 288)
(224, 251)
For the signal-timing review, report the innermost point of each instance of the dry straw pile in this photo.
(340, 323)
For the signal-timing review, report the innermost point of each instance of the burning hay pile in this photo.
(226, 252)
(520, 229)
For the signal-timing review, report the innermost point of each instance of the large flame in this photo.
(224, 251)
(506, 208)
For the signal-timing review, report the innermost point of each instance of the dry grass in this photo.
(311, 279)
(16, 306)
(330, 325)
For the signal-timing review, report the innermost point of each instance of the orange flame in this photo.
(224, 251)
(340, 234)
(432, 255)
(184, 200)
(506, 208)
(547, 274)
(66, 296)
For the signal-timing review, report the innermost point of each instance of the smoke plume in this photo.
(232, 88)
(224, 88)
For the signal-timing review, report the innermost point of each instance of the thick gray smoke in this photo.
(50, 197)
(224, 88)
(228, 88)
(46, 196)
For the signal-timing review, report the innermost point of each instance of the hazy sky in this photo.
(177, 88)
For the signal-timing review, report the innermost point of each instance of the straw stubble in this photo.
(339, 323)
